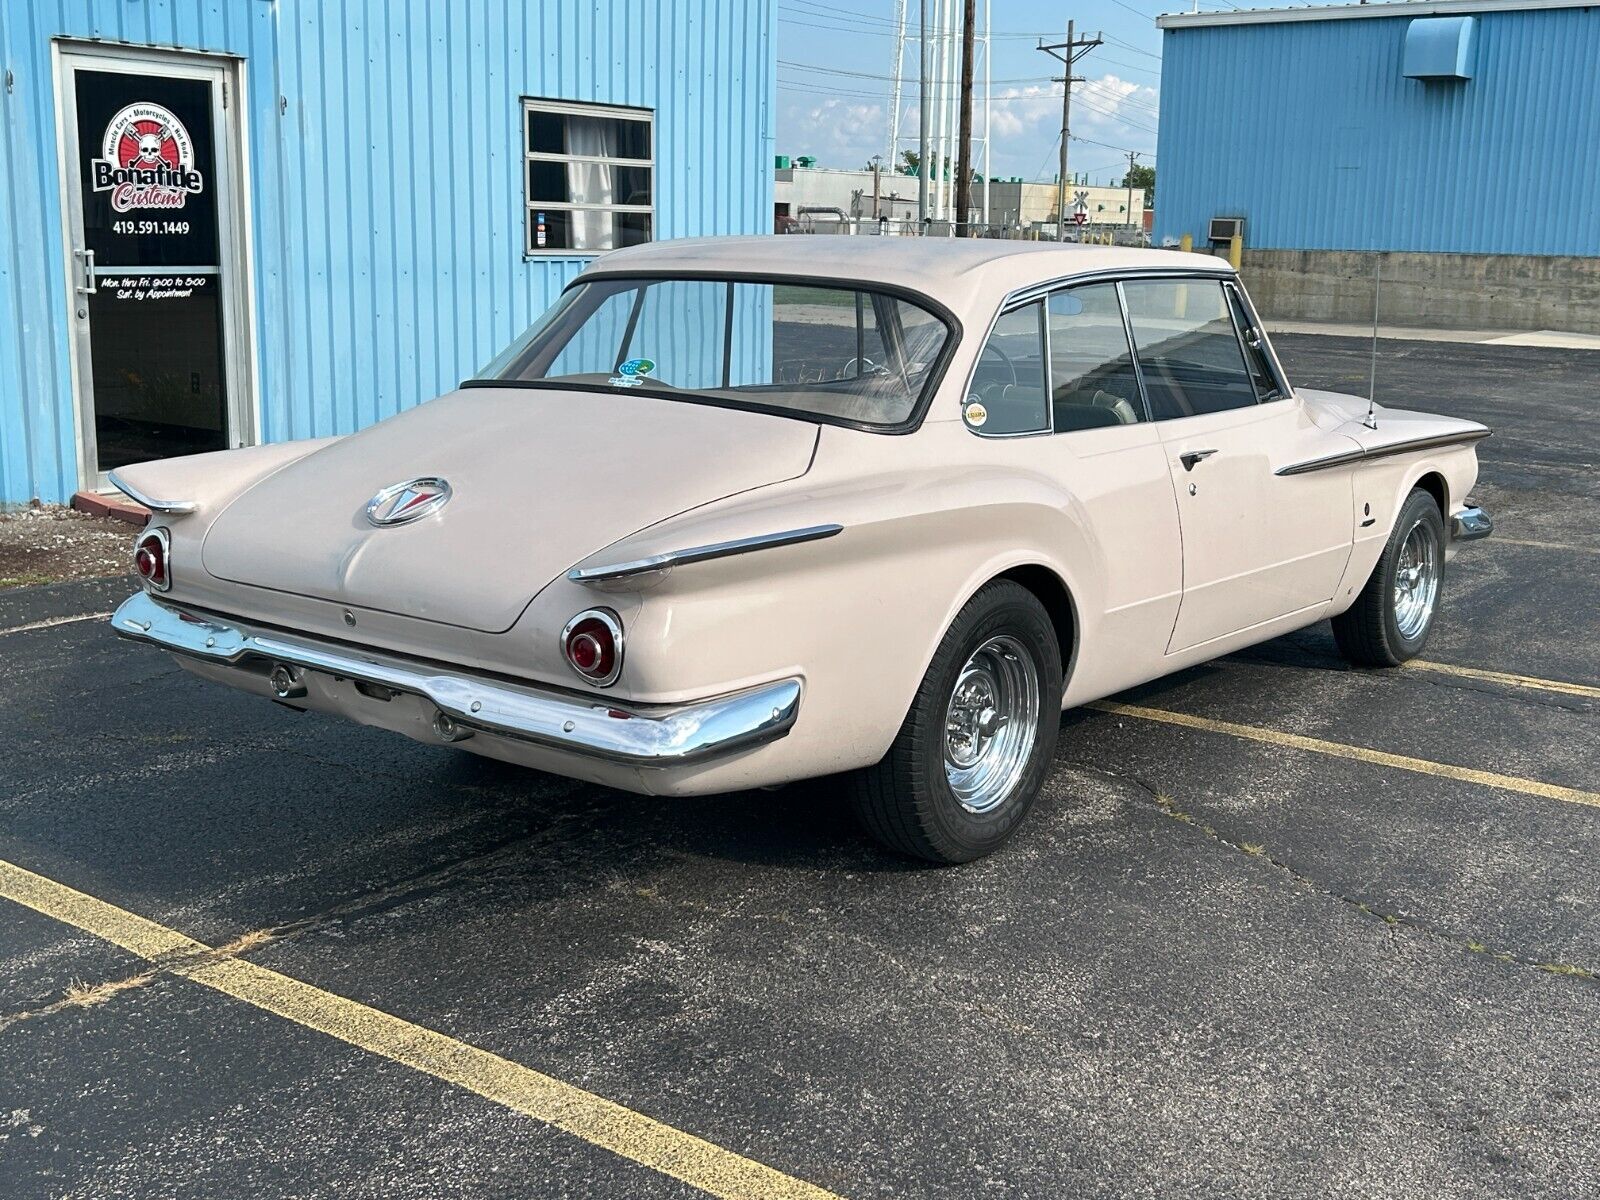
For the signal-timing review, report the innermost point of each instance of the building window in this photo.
(589, 176)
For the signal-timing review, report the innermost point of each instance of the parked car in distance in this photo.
(737, 512)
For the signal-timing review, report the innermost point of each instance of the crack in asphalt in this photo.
(419, 885)
(1393, 922)
(83, 995)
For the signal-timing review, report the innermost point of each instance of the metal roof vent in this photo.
(1439, 48)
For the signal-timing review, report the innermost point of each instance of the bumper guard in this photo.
(1470, 524)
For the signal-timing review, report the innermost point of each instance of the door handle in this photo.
(88, 287)
(1190, 457)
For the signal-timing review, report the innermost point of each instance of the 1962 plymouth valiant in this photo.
(737, 512)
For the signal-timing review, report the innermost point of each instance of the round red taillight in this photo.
(592, 643)
(150, 559)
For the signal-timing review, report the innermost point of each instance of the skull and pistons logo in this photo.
(146, 160)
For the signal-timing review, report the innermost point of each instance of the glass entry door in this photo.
(154, 239)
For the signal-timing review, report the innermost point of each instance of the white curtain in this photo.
(592, 183)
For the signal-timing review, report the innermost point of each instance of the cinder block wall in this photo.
(1428, 291)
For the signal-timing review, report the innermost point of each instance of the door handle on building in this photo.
(88, 287)
(1190, 457)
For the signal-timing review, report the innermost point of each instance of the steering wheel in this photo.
(1011, 367)
(862, 366)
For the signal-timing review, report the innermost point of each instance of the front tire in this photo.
(972, 753)
(1392, 617)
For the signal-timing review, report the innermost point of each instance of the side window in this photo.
(1255, 353)
(1092, 379)
(1009, 380)
(1189, 356)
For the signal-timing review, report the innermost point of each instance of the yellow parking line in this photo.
(1522, 681)
(601, 1122)
(1423, 766)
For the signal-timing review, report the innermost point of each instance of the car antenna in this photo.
(1371, 419)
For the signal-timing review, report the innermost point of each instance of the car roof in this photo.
(950, 270)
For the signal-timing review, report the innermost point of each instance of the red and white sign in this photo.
(146, 160)
(1080, 217)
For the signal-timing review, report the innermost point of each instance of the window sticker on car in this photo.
(633, 372)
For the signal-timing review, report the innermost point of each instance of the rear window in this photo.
(839, 353)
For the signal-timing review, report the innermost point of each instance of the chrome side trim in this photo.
(1360, 454)
(1032, 291)
(695, 554)
(1470, 524)
(638, 735)
(175, 507)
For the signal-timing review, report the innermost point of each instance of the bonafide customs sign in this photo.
(146, 160)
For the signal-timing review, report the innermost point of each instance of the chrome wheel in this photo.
(991, 723)
(1416, 582)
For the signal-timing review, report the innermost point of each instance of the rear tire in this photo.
(1392, 617)
(972, 753)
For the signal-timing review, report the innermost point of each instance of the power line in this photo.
(1130, 46)
(833, 13)
(1109, 146)
(785, 62)
(811, 87)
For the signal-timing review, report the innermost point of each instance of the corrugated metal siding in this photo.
(1310, 131)
(385, 159)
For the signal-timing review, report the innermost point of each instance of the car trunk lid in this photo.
(539, 479)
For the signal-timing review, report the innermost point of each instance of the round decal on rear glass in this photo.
(146, 160)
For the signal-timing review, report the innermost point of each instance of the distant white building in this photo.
(820, 198)
(1029, 204)
(814, 196)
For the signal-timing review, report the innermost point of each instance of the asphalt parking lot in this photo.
(1277, 928)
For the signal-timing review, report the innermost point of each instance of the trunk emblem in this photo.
(402, 503)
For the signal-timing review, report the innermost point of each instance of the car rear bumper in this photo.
(1470, 524)
(464, 703)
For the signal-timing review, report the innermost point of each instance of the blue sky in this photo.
(835, 62)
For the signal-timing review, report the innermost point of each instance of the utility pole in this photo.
(1129, 181)
(963, 206)
(922, 126)
(1067, 53)
(877, 183)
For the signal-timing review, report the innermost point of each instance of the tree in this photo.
(1141, 176)
(912, 162)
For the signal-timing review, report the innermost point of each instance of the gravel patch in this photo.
(50, 544)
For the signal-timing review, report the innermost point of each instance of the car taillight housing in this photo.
(592, 645)
(150, 560)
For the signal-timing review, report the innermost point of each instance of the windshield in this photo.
(819, 351)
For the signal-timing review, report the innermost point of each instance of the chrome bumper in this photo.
(1470, 524)
(639, 736)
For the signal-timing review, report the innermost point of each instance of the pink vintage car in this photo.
(736, 512)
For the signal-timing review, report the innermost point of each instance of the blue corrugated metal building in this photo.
(1455, 126)
(1457, 139)
(231, 221)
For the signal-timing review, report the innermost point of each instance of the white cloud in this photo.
(1024, 121)
(840, 133)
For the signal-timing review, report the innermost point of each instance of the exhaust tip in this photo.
(285, 683)
(449, 729)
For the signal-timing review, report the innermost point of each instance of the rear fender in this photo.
(858, 615)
